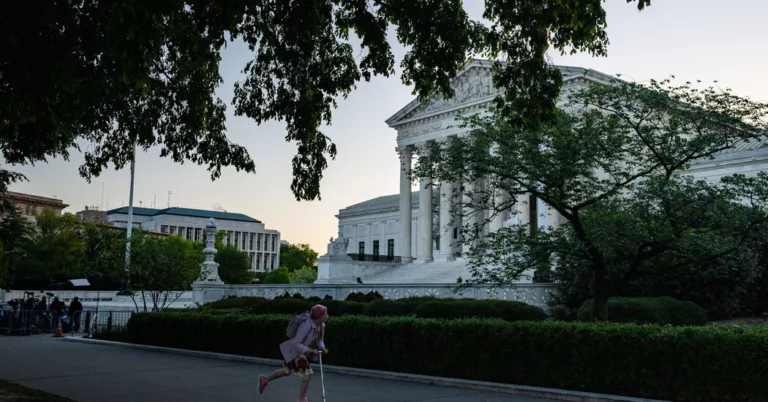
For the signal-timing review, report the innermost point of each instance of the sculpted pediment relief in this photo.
(476, 83)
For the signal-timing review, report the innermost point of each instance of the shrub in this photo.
(457, 308)
(278, 276)
(425, 307)
(235, 303)
(648, 310)
(691, 364)
(287, 295)
(561, 312)
(364, 297)
(339, 308)
(390, 308)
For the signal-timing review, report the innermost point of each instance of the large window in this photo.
(391, 248)
(361, 248)
(163, 228)
(375, 247)
(250, 243)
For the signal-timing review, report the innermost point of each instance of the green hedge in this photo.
(649, 310)
(419, 307)
(682, 363)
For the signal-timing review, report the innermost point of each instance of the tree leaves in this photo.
(613, 165)
(143, 74)
(234, 266)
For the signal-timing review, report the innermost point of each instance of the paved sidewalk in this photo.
(88, 373)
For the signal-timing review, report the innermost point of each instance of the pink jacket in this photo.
(300, 344)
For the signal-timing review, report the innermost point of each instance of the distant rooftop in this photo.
(379, 204)
(197, 213)
(54, 202)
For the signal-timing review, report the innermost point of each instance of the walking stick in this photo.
(322, 380)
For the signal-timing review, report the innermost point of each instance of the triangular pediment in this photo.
(474, 85)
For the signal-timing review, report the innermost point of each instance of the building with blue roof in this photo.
(244, 232)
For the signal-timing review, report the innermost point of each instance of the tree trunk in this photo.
(600, 293)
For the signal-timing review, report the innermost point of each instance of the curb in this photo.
(518, 390)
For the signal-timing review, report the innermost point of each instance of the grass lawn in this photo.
(10, 392)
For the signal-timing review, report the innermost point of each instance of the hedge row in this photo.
(649, 310)
(418, 307)
(683, 364)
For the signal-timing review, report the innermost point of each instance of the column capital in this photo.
(427, 147)
(405, 151)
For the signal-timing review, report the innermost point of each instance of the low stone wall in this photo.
(534, 294)
(106, 299)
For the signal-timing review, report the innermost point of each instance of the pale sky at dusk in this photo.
(692, 39)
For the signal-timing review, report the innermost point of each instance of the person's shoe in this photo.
(304, 399)
(262, 383)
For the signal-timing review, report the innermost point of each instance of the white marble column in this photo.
(425, 220)
(446, 223)
(524, 209)
(497, 222)
(497, 215)
(406, 207)
(469, 216)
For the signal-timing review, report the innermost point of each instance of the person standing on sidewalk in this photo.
(307, 344)
(76, 309)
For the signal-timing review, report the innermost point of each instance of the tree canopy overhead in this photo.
(143, 73)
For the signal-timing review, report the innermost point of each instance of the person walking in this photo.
(306, 345)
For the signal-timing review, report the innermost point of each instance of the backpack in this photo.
(295, 323)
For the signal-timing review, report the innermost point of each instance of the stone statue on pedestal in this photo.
(209, 269)
(338, 246)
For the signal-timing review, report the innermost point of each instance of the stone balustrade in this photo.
(533, 294)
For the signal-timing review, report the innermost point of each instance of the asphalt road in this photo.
(90, 373)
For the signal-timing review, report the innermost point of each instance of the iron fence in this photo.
(106, 322)
(27, 322)
(30, 322)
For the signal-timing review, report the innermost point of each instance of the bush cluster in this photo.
(419, 307)
(364, 297)
(649, 310)
(718, 363)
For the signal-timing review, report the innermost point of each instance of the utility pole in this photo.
(130, 226)
(169, 198)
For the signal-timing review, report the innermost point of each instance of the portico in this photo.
(422, 224)
(422, 126)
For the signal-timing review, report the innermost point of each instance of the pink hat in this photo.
(318, 311)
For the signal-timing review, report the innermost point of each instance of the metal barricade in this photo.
(27, 322)
(30, 322)
(106, 322)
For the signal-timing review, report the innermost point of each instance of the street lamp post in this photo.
(130, 226)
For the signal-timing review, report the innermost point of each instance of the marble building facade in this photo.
(395, 225)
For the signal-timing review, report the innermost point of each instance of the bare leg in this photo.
(277, 374)
(304, 386)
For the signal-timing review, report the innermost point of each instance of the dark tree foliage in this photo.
(137, 73)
